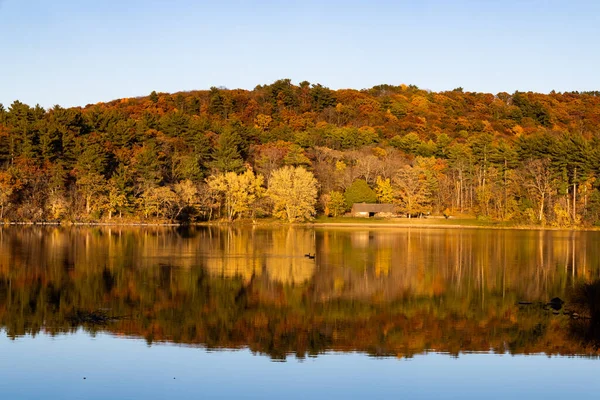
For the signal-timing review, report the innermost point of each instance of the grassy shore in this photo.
(321, 221)
(433, 222)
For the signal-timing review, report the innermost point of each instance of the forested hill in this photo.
(526, 157)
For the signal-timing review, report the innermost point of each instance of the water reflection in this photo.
(385, 292)
(585, 313)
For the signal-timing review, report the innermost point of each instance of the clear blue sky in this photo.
(75, 52)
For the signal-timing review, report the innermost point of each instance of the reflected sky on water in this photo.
(54, 368)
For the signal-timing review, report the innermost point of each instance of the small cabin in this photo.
(367, 210)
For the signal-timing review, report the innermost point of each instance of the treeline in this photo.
(297, 151)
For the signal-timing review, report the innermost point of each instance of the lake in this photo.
(298, 312)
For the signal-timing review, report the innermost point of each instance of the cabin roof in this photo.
(372, 208)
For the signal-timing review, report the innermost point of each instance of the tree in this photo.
(227, 157)
(531, 109)
(336, 204)
(384, 190)
(157, 201)
(408, 144)
(359, 192)
(91, 186)
(538, 180)
(412, 190)
(271, 156)
(238, 192)
(120, 188)
(117, 200)
(8, 184)
(186, 196)
(57, 204)
(322, 97)
(22, 132)
(262, 122)
(293, 191)
(146, 165)
(89, 170)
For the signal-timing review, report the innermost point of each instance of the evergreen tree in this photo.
(227, 157)
(359, 192)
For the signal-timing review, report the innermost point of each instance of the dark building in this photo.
(371, 210)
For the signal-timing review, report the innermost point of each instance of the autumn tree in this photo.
(384, 190)
(411, 186)
(157, 201)
(335, 204)
(186, 194)
(8, 185)
(271, 156)
(293, 191)
(539, 182)
(238, 192)
(120, 192)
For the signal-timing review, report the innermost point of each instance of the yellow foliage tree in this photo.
(412, 190)
(116, 200)
(187, 195)
(384, 190)
(336, 204)
(238, 192)
(157, 201)
(262, 122)
(293, 191)
(91, 186)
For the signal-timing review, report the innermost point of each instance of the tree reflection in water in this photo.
(385, 292)
(585, 317)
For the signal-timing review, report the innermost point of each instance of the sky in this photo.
(77, 52)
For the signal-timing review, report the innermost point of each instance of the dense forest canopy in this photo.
(525, 157)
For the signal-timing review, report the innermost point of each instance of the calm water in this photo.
(228, 313)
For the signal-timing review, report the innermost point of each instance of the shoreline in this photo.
(385, 224)
(450, 226)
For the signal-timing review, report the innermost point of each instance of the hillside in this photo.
(524, 157)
